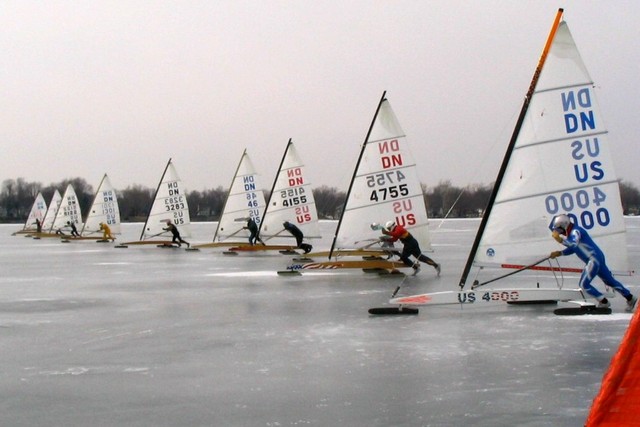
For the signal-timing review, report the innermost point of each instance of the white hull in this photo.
(485, 297)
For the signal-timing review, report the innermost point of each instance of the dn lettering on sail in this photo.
(173, 188)
(578, 112)
(390, 155)
(294, 177)
(249, 183)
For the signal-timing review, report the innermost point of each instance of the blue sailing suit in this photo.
(580, 243)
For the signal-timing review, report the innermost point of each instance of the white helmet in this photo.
(561, 223)
(389, 225)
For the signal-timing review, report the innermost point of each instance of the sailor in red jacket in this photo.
(394, 232)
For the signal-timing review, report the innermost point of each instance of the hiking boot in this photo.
(631, 304)
(605, 304)
(438, 269)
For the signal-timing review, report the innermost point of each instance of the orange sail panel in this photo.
(618, 403)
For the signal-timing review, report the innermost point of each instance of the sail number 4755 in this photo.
(389, 183)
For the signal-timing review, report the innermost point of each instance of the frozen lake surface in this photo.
(93, 335)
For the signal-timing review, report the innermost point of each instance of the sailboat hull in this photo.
(487, 297)
(364, 264)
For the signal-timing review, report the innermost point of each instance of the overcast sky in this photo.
(90, 87)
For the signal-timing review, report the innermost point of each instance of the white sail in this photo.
(384, 187)
(244, 200)
(68, 212)
(54, 205)
(291, 199)
(104, 209)
(38, 211)
(561, 163)
(169, 204)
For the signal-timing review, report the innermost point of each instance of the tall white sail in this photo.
(54, 205)
(291, 199)
(169, 204)
(245, 200)
(385, 187)
(38, 211)
(560, 163)
(69, 211)
(104, 209)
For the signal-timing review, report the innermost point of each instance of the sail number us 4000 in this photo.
(471, 297)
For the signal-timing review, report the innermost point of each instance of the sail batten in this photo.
(564, 139)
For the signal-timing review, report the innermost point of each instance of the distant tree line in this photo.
(443, 200)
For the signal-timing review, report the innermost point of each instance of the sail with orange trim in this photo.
(618, 403)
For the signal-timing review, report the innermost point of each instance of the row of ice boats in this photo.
(558, 161)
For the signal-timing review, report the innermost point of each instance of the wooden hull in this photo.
(261, 248)
(149, 242)
(218, 245)
(350, 253)
(347, 264)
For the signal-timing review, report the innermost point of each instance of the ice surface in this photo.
(143, 336)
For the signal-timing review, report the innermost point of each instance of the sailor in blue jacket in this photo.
(577, 241)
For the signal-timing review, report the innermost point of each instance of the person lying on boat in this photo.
(297, 233)
(253, 229)
(577, 241)
(106, 232)
(176, 234)
(393, 232)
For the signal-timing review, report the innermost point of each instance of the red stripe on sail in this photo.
(542, 268)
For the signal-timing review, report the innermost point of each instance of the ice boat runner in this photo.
(36, 214)
(104, 210)
(245, 201)
(384, 186)
(68, 213)
(558, 161)
(169, 204)
(291, 200)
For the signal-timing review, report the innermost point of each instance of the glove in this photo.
(375, 226)
(556, 236)
(555, 254)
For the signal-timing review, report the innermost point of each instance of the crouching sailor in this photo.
(394, 232)
(577, 241)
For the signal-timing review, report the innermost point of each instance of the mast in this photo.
(275, 181)
(244, 153)
(512, 143)
(154, 198)
(355, 171)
